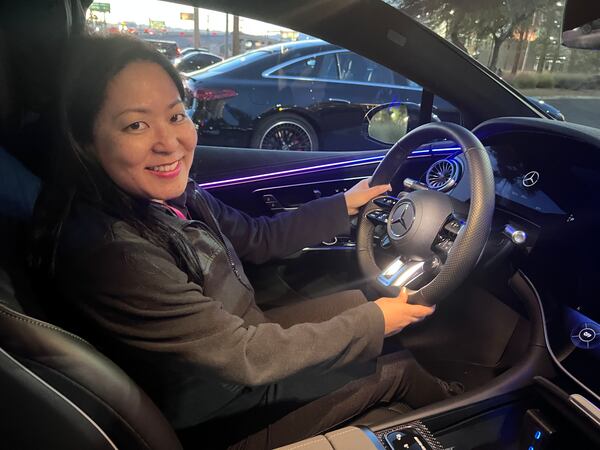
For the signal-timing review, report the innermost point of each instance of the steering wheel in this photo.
(435, 244)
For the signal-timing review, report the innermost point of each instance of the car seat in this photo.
(56, 390)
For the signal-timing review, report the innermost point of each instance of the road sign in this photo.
(100, 7)
(186, 16)
(157, 24)
(291, 35)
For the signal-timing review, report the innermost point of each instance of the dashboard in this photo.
(547, 178)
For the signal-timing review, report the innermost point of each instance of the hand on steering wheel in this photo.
(431, 242)
(398, 313)
(359, 195)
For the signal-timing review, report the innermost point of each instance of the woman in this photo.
(150, 272)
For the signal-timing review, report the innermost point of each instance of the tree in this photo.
(498, 19)
(548, 31)
(456, 16)
(504, 20)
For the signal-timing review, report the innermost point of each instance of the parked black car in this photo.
(306, 95)
(168, 48)
(194, 60)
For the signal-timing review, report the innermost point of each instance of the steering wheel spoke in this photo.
(400, 273)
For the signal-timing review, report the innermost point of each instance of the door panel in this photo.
(222, 163)
(264, 182)
(234, 174)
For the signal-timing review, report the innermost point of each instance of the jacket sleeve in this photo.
(258, 239)
(137, 295)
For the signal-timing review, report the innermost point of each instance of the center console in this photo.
(543, 416)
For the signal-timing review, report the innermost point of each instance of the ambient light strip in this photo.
(321, 167)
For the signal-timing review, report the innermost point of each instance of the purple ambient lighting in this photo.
(447, 149)
(313, 169)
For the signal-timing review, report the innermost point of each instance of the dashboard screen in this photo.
(519, 180)
(522, 182)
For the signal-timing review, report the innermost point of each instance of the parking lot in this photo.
(578, 109)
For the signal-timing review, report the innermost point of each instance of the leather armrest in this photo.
(349, 438)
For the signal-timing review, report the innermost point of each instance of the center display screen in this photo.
(521, 180)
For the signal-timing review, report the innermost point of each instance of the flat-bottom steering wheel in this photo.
(435, 248)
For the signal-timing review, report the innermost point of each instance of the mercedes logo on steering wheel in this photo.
(401, 219)
(531, 178)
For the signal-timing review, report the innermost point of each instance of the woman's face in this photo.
(142, 136)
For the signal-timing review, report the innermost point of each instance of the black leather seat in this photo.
(57, 391)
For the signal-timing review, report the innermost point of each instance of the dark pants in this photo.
(312, 402)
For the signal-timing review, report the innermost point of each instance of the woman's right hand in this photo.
(398, 313)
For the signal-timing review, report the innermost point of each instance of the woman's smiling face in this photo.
(143, 139)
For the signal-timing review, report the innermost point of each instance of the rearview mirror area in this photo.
(581, 25)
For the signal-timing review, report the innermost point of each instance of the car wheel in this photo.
(286, 132)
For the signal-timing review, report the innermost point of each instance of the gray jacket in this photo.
(197, 348)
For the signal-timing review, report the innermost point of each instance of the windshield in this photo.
(519, 40)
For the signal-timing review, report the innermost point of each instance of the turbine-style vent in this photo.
(443, 175)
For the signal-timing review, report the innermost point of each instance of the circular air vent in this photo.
(443, 175)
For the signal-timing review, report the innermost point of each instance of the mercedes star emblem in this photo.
(402, 219)
(531, 178)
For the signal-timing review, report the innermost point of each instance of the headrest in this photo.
(19, 188)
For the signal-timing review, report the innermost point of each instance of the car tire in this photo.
(285, 132)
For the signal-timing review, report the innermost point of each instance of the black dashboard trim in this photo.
(548, 347)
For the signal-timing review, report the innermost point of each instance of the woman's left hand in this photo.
(361, 193)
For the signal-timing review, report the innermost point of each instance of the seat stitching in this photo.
(340, 432)
(96, 396)
(22, 318)
(310, 442)
(11, 359)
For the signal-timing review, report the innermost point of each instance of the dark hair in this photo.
(90, 64)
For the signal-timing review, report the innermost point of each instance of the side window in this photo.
(306, 68)
(322, 66)
(379, 73)
(354, 67)
(328, 67)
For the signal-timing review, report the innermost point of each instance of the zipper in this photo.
(219, 238)
(218, 235)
